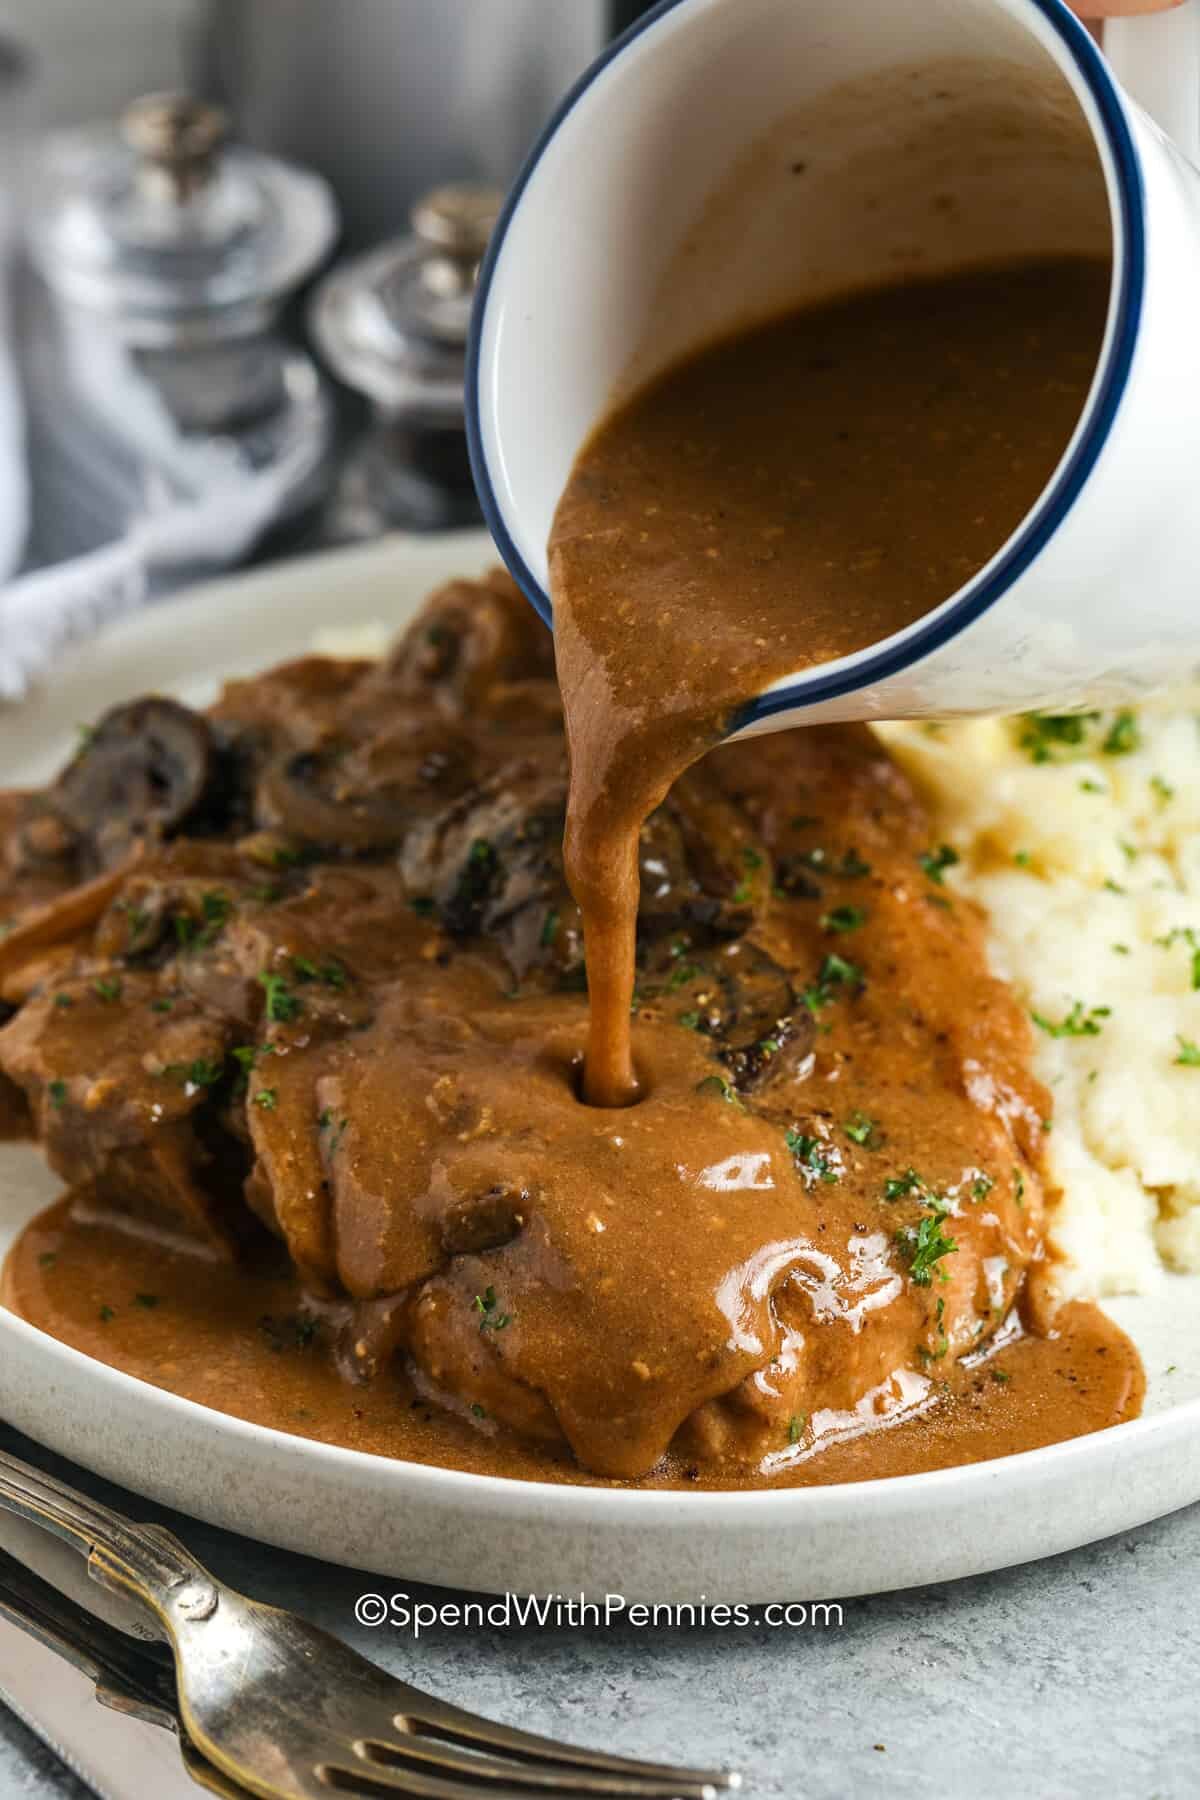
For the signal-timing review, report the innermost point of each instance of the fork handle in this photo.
(146, 1561)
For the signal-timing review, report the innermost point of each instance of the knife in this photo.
(103, 1702)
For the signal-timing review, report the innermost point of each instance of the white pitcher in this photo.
(727, 159)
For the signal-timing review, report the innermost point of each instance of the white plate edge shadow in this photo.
(411, 1522)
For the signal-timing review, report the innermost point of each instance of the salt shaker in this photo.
(393, 326)
(159, 373)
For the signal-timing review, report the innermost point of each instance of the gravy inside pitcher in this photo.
(786, 497)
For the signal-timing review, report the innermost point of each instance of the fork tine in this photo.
(436, 1719)
(368, 1777)
(531, 1778)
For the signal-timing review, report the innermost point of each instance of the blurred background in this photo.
(238, 245)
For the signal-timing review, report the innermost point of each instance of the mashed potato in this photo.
(1081, 837)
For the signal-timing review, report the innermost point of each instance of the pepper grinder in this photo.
(392, 325)
(160, 375)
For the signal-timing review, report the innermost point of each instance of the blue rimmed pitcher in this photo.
(730, 159)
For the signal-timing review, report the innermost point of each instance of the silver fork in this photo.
(292, 1713)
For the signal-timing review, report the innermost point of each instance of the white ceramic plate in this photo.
(405, 1520)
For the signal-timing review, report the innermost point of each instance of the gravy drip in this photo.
(784, 498)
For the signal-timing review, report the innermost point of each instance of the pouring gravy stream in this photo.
(782, 499)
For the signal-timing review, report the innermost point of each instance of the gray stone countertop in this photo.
(1072, 1677)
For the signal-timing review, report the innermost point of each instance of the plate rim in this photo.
(346, 582)
(459, 1484)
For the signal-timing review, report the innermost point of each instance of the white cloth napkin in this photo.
(195, 505)
(46, 612)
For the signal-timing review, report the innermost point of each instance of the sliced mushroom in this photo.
(468, 638)
(143, 772)
(363, 798)
(492, 862)
(485, 1221)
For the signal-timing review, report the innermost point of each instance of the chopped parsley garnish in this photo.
(720, 1089)
(184, 927)
(1122, 736)
(936, 862)
(107, 989)
(294, 1331)
(197, 1074)
(57, 1091)
(981, 1187)
(267, 1098)
(1188, 935)
(1043, 733)
(816, 1159)
(1189, 1054)
(1088, 786)
(1002, 1376)
(744, 891)
(849, 867)
(422, 905)
(1164, 790)
(681, 974)
(843, 918)
(488, 1308)
(106, 1313)
(852, 866)
(690, 1020)
(1018, 1187)
(1022, 858)
(899, 1187)
(329, 973)
(861, 1130)
(216, 908)
(796, 1425)
(63, 1000)
(324, 1122)
(837, 972)
(287, 856)
(282, 1004)
(549, 928)
(926, 1246)
(136, 918)
(47, 1259)
(943, 1343)
(162, 1005)
(1081, 1021)
(147, 1301)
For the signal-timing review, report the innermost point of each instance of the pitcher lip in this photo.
(1054, 503)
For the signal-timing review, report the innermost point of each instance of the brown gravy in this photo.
(813, 1250)
(233, 1340)
(782, 499)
